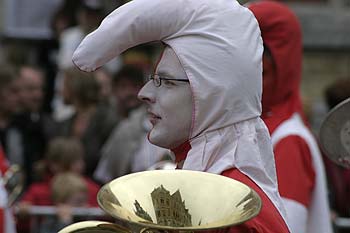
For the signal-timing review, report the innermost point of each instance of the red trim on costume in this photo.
(2, 221)
(3, 161)
(293, 156)
(268, 220)
(181, 151)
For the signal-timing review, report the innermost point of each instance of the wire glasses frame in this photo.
(157, 79)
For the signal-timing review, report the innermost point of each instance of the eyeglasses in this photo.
(157, 79)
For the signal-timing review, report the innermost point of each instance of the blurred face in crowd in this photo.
(170, 104)
(125, 92)
(105, 82)
(31, 93)
(9, 98)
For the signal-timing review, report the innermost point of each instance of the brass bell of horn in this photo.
(172, 201)
(335, 134)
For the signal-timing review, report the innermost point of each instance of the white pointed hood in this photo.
(216, 41)
(220, 48)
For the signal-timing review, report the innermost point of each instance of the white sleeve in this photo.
(296, 215)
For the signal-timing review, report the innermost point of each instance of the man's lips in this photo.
(153, 118)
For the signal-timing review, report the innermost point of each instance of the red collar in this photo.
(181, 151)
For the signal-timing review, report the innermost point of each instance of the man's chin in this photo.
(158, 140)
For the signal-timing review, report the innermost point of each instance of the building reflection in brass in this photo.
(169, 208)
(141, 212)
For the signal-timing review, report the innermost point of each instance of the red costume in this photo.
(3, 161)
(40, 193)
(268, 220)
(300, 171)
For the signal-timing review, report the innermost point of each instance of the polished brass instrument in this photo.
(335, 134)
(172, 200)
(13, 180)
(163, 165)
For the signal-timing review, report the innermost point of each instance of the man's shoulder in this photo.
(269, 219)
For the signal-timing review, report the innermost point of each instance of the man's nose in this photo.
(147, 93)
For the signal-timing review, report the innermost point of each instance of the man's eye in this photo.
(168, 82)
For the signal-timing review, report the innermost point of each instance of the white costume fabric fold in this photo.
(244, 145)
(220, 48)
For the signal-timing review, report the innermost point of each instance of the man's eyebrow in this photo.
(165, 73)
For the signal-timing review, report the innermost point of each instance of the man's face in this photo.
(31, 93)
(169, 105)
(9, 96)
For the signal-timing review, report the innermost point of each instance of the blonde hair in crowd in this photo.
(66, 184)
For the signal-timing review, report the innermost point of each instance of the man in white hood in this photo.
(205, 95)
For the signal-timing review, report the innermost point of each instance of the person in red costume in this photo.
(4, 164)
(7, 224)
(300, 172)
(63, 155)
(204, 97)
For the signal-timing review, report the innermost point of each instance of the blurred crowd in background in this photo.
(70, 131)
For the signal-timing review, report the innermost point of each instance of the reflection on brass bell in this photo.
(13, 180)
(172, 200)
